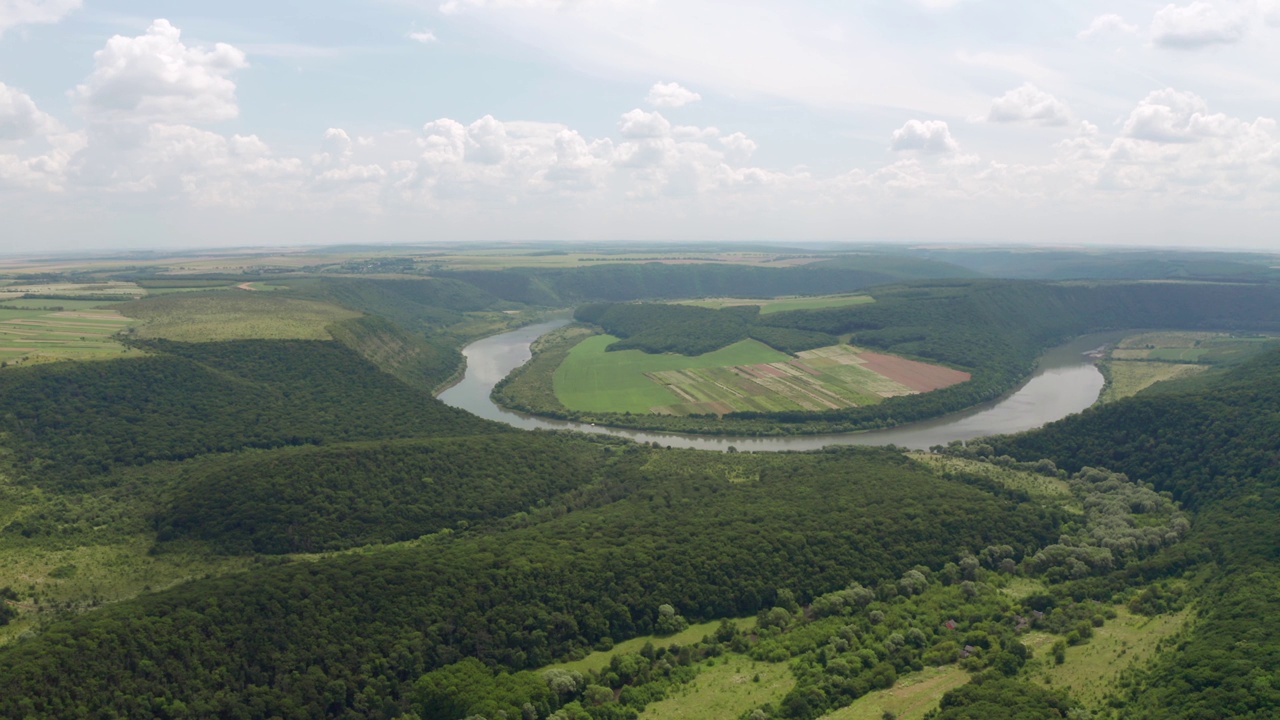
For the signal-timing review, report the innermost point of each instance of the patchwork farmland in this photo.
(42, 334)
(746, 377)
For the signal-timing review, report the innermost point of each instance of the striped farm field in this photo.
(747, 376)
(42, 333)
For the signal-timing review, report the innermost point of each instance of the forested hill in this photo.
(658, 281)
(1212, 444)
(347, 636)
(68, 423)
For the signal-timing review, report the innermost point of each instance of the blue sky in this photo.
(149, 124)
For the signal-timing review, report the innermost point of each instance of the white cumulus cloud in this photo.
(1171, 116)
(639, 124)
(156, 78)
(1029, 103)
(32, 12)
(671, 95)
(425, 37)
(1107, 24)
(1200, 24)
(931, 137)
(20, 118)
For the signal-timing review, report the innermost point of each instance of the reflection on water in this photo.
(1066, 382)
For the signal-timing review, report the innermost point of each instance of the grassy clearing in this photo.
(45, 333)
(1034, 484)
(727, 687)
(1092, 669)
(747, 376)
(909, 699)
(217, 316)
(1130, 377)
(777, 305)
(690, 635)
(70, 553)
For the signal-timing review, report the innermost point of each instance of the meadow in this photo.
(1142, 360)
(240, 315)
(747, 376)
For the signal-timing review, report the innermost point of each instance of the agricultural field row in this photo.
(747, 376)
(1142, 360)
(31, 333)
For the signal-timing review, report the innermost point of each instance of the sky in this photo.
(146, 124)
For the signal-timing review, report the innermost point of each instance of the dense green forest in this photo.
(341, 544)
(68, 423)
(689, 330)
(1212, 444)
(713, 536)
(658, 281)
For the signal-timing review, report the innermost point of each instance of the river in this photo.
(1064, 383)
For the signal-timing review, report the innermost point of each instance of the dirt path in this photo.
(247, 286)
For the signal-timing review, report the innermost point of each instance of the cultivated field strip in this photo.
(824, 379)
(43, 334)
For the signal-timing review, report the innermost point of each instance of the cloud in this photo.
(1170, 116)
(156, 78)
(738, 147)
(1029, 103)
(32, 12)
(671, 95)
(1107, 24)
(1197, 25)
(1270, 11)
(639, 124)
(20, 118)
(486, 141)
(931, 137)
(425, 37)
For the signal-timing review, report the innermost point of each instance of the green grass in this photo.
(593, 380)
(694, 633)
(46, 303)
(220, 315)
(1034, 484)
(1130, 377)
(725, 688)
(88, 550)
(909, 699)
(768, 307)
(30, 336)
(1091, 670)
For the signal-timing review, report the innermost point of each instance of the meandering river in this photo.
(1065, 382)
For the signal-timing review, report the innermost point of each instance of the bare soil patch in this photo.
(918, 376)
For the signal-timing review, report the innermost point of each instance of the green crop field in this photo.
(594, 380)
(784, 304)
(1142, 360)
(1130, 377)
(34, 333)
(745, 376)
(109, 290)
(238, 315)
